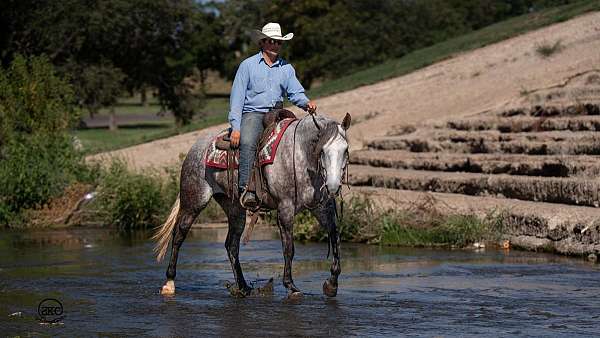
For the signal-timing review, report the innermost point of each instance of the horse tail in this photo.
(165, 232)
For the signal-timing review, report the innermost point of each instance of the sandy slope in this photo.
(489, 78)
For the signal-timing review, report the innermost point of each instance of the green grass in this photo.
(405, 229)
(101, 139)
(420, 226)
(132, 106)
(447, 49)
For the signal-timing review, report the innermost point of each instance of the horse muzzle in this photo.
(333, 189)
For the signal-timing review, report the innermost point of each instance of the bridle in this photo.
(324, 192)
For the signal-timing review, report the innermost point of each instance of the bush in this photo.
(546, 50)
(35, 169)
(131, 200)
(37, 157)
(34, 99)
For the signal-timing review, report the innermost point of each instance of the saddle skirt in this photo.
(217, 158)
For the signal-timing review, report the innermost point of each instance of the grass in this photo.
(447, 49)
(101, 139)
(404, 229)
(546, 50)
(97, 140)
(419, 226)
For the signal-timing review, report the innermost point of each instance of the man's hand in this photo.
(235, 138)
(311, 107)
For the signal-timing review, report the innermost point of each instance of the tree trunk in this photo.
(144, 98)
(112, 120)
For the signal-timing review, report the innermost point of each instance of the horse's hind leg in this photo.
(327, 219)
(236, 218)
(192, 202)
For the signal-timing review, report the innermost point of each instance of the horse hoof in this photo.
(168, 288)
(329, 290)
(295, 295)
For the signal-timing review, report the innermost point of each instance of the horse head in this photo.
(332, 149)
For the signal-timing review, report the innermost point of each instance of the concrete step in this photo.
(460, 136)
(492, 142)
(531, 225)
(569, 110)
(511, 164)
(574, 191)
(526, 124)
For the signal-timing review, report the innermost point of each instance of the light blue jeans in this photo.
(251, 129)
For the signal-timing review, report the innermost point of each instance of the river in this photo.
(107, 283)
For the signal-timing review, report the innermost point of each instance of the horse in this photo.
(312, 153)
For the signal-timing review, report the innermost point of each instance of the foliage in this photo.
(34, 169)
(96, 86)
(361, 221)
(156, 43)
(130, 200)
(37, 156)
(33, 99)
(454, 230)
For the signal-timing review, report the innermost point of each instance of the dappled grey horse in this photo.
(306, 174)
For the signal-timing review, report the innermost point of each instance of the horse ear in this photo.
(346, 121)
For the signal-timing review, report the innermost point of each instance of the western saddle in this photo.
(256, 183)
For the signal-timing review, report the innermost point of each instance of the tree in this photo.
(98, 86)
(153, 43)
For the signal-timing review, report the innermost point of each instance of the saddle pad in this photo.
(217, 158)
(266, 155)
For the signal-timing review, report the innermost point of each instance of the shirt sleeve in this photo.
(238, 95)
(295, 91)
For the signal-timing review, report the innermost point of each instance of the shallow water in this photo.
(108, 284)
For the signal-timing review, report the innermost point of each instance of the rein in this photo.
(321, 171)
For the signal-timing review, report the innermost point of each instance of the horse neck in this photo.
(306, 138)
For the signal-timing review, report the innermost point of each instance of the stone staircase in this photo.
(539, 166)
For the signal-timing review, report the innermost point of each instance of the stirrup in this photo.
(244, 203)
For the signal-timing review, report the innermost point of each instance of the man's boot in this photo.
(248, 199)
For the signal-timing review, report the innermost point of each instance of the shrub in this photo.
(37, 157)
(130, 200)
(34, 99)
(546, 50)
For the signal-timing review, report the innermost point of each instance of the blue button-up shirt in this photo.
(257, 87)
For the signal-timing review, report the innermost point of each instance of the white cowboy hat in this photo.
(272, 30)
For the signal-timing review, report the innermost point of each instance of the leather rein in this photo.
(321, 170)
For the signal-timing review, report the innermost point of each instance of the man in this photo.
(259, 85)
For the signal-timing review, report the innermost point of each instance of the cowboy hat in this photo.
(272, 30)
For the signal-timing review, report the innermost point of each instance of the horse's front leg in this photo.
(236, 218)
(285, 221)
(326, 216)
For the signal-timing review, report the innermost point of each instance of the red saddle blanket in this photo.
(217, 158)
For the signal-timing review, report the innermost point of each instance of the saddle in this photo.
(256, 183)
(270, 119)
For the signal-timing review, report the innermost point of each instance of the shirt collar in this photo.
(261, 58)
